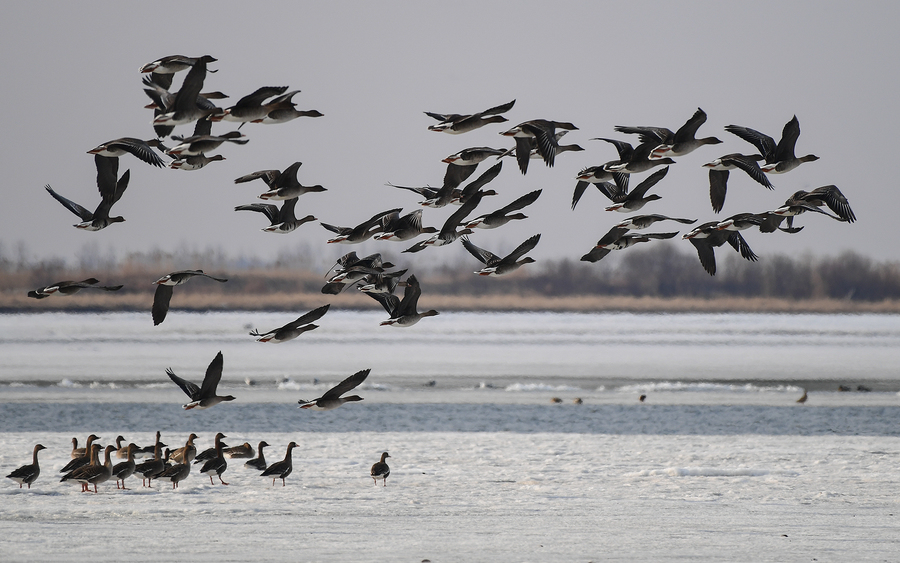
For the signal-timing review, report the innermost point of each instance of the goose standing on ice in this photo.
(217, 465)
(381, 470)
(259, 462)
(281, 469)
(28, 474)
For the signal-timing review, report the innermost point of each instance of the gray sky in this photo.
(72, 82)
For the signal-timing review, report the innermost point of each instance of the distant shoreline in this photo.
(88, 302)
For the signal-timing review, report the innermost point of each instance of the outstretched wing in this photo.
(190, 389)
(347, 384)
(212, 377)
(485, 256)
(83, 213)
(309, 317)
(161, 302)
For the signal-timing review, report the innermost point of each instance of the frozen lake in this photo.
(718, 464)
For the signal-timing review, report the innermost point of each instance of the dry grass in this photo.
(212, 300)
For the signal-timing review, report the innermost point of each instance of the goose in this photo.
(450, 192)
(205, 396)
(332, 399)
(93, 453)
(217, 465)
(282, 220)
(719, 170)
(176, 473)
(618, 239)
(454, 123)
(147, 451)
(121, 451)
(380, 470)
(707, 237)
(250, 107)
(125, 469)
(76, 451)
(28, 474)
(636, 198)
(403, 312)
(174, 63)
(803, 201)
(362, 232)
(644, 221)
(196, 145)
(502, 216)
(239, 452)
(186, 453)
(84, 458)
(148, 470)
(767, 222)
(163, 101)
(360, 272)
(281, 469)
(668, 143)
(463, 164)
(94, 474)
(292, 329)
(638, 161)
(110, 192)
(259, 462)
(448, 233)
(496, 266)
(282, 185)
(281, 110)
(535, 154)
(779, 158)
(165, 286)
(185, 108)
(194, 162)
(385, 282)
(69, 287)
(403, 228)
(124, 145)
(543, 132)
(600, 176)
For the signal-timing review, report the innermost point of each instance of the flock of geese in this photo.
(173, 466)
(536, 139)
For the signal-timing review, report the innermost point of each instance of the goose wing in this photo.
(346, 385)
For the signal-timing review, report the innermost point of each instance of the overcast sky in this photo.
(71, 82)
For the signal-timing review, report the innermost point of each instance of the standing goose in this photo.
(69, 287)
(332, 398)
(217, 465)
(93, 453)
(707, 237)
(636, 198)
(281, 469)
(111, 191)
(259, 462)
(454, 123)
(496, 266)
(125, 145)
(381, 470)
(28, 474)
(205, 396)
(719, 170)
(668, 143)
(148, 451)
(95, 473)
(125, 469)
(779, 158)
(83, 459)
(294, 328)
(150, 469)
(502, 216)
(283, 220)
(165, 286)
(186, 453)
(121, 451)
(176, 473)
(543, 133)
(76, 451)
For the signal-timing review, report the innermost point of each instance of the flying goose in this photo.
(203, 396)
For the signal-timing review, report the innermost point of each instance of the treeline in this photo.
(660, 271)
